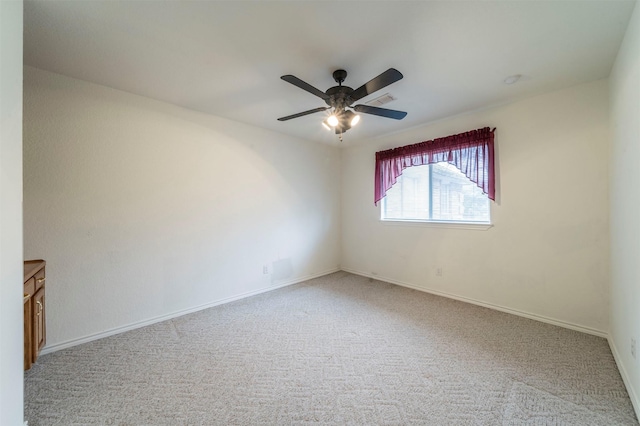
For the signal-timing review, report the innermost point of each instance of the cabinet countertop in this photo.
(31, 267)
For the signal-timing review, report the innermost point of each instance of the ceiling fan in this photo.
(340, 98)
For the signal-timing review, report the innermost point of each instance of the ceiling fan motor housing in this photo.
(339, 97)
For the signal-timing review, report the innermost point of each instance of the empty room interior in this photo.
(320, 212)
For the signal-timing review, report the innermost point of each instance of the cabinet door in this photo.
(39, 323)
(27, 334)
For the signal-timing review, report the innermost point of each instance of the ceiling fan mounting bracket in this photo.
(339, 76)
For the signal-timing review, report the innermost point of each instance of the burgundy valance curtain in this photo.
(471, 152)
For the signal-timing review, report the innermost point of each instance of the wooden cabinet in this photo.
(35, 334)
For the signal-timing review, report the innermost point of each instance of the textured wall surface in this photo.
(143, 209)
(548, 253)
(625, 207)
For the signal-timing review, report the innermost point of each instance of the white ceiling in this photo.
(226, 58)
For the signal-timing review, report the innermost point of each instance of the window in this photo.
(471, 152)
(445, 180)
(437, 192)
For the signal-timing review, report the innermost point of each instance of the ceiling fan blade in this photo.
(383, 80)
(382, 112)
(305, 86)
(300, 114)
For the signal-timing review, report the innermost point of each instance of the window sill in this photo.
(438, 224)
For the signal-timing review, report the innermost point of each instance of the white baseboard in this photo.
(91, 337)
(633, 395)
(517, 312)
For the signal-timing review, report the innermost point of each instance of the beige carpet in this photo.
(340, 349)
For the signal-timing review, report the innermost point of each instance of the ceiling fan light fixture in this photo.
(349, 119)
(333, 121)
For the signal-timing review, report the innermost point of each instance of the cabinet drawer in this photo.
(39, 277)
(30, 287)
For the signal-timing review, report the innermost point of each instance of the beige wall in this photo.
(547, 255)
(625, 207)
(144, 210)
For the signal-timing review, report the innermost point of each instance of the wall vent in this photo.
(381, 100)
